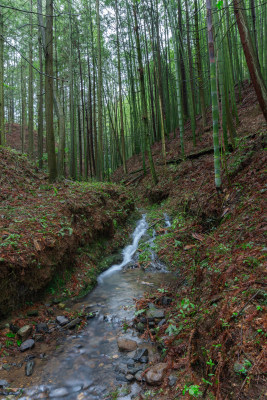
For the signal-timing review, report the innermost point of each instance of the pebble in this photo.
(29, 368)
(154, 375)
(126, 344)
(24, 332)
(60, 392)
(61, 320)
(140, 353)
(27, 345)
(42, 327)
(3, 383)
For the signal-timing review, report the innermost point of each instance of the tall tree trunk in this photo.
(52, 165)
(215, 113)
(120, 91)
(2, 109)
(30, 90)
(143, 97)
(99, 97)
(250, 54)
(199, 69)
(40, 108)
(23, 106)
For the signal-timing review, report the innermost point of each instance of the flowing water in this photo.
(84, 365)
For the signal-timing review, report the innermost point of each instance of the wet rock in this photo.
(129, 377)
(72, 324)
(42, 327)
(7, 367)
(140, 327)
(121, 378)
(24, 332)
(126, 344)
(32, 313)
(60, 392)
(130, 362)
(61, 320)
(140, 353)
(139, 376)
(155, 313)
(92, 314)
(14, 328)
(144, 359)
(155, 374)
(135, 389)
(3, 383)
(172, 380)
(29, 368)
(27, 345)
(137, 368)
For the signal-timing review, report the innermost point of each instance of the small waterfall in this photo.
(167, 220)
(129, 250)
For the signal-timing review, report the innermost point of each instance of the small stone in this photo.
(154, 375)
(24, 332)
(126, 344)
(72, 323)
(27, 345)
(129, 377)
(172, 380)
(139, 376)
(3, 383)
(155, 313)
(140, 353)
(130, 363)
(42, 327)
(61, 320)
(32, 313)
(60, 392)
(29, 368)
(62, 306)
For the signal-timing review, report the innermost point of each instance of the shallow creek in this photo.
(84, 365)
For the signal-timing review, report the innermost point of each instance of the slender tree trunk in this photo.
(52, 165)
(143, 97)
(23, 106)
(30, 90)
(199, 69)
(2, 109)
(250, 54)
(99, 97)
(120, 91)
(215, 113)
(40, 108)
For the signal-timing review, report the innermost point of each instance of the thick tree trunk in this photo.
(251, 56)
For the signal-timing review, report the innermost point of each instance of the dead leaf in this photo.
(37, 245)
(198, 236)
(225, 212)
(189, 246)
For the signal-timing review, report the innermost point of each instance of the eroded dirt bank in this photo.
(42, 226)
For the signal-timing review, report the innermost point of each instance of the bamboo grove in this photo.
(102, 81)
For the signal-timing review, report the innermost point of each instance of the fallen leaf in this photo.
(189, 246)
(198, 236)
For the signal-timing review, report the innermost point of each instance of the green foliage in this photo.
(193, 390)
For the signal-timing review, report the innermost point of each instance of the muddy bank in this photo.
(42, 226)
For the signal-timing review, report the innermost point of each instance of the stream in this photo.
(85, 365)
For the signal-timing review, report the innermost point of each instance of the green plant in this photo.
(172, 329)
(193, 390)
(139, 312)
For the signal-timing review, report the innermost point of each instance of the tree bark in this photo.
(251, 56)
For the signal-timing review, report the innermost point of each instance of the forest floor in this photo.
(214, 336)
